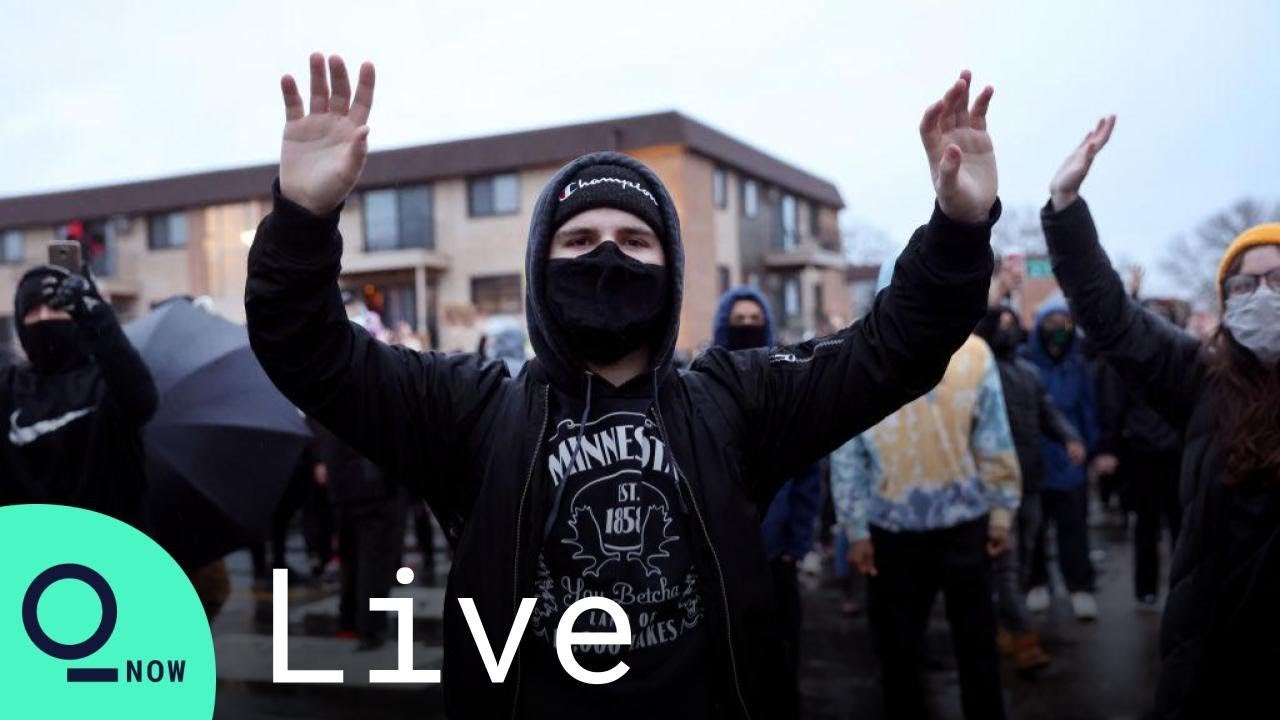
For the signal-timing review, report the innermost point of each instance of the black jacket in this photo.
(1220, 640)
(1127, 422)
(74, 437)
(355, 483)
(1031, 413)
(468, 438)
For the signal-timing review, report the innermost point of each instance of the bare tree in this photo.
(1018, 230)
(1192, 258)
(866, 244)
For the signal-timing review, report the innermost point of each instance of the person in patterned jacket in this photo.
(926, 498)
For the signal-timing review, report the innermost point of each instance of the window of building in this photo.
(10, 247)
(787, 223)
(97, 241)
(815, 214)
(493, 195)
(400, 304)
(496, 294)
(720, 188)
(750, 198)
(791, 297)
(398, 218)
(167, 230)
(722, 273)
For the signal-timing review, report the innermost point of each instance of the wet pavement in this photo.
(1104, 670)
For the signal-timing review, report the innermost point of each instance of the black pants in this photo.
(424, 531)
(1068, 511)
(369, 541)
(317, 525)
(1154, 492)
(786, 591)
(912, 568)
(291, 500)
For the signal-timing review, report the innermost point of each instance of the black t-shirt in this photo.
(618, 529)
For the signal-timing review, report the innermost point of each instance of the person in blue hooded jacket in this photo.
(1055, 348)
(744, 321)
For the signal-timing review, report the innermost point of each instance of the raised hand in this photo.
(75, 294)
(961, 158)
(324, 151)
(1065, 186)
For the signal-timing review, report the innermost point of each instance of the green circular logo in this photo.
(96, 620)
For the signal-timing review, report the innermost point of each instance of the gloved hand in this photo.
(76, 294)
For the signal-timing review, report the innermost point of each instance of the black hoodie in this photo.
(73, 434)
(474, 442)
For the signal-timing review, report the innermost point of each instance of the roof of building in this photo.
(861, 273)
(457, 158)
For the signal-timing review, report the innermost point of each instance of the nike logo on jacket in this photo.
(19, 435)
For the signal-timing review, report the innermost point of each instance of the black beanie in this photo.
(611, 186)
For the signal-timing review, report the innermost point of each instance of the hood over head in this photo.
(50, 345)
(27, 295)
(1049, 307)
(720, 331)
(1004, 343)
(550, 345)
(1035, 340)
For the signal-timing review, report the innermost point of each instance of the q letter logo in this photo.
(96, 620)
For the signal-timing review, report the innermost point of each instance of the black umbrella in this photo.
(223, 442)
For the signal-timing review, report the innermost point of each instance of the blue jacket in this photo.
(789, 524)
(1070, 383)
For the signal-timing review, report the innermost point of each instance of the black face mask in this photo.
(609, 304)
(745, 337)
(1004, 341)
(51, 345)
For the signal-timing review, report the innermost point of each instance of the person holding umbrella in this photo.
(601, 467)
(72, 416)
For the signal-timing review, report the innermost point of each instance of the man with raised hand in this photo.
(601, 470)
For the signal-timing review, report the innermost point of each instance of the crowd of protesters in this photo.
(957, 446)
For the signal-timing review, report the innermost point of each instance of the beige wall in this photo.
(214, 261)
(837, 297)
(476, 247)
(222, 256)
(828, 226)
(725, 226)
(34, 242)
(688, 179)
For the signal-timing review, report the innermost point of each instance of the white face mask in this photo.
(1254, 321)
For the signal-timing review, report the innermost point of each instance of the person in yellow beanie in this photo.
(1221, 629)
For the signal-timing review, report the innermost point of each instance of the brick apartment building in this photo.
(435, 234)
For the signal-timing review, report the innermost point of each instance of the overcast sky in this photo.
(104, 92)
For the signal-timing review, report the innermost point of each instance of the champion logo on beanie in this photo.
(611, 186)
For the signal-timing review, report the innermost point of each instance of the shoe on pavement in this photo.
(1084, 606)
(1027, 653)
(850, 608)
(1005, 641)
(1148, 603)
(1038, 599)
